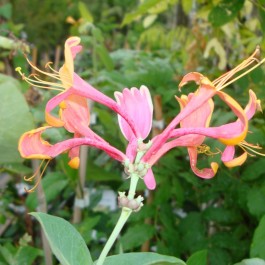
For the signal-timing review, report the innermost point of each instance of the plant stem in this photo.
(125, 213)
(133, 185)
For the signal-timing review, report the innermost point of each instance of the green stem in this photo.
(133, 185)
(125, 213)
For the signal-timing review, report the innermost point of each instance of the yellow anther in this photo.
(205, 149)
(63, 105)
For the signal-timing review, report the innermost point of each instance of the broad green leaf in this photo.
(225, 11)
(257, 248)
(142, 259)
(66, 243)
(15, 119)
(198, 258)
(255, 261)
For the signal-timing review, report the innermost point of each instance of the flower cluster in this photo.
(134, 108)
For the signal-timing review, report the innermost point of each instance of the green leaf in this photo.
(136, 236)
(15, 119)
(256, 201)
(84, 12)
(187, 5)
(6, 11)
(143, 259)
(142, 9)
(198, 258)
(224, 12)
(26, 255)
(255, 261)
(66, 243)
(257, 248)
(254, 171)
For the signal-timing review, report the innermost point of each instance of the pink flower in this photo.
(135, 112)
(137, 104)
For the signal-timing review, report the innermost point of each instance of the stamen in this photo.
(250, 147)
(205, 149)
(48, 65)
(221, 82)
(40, 83)
(40, 71)
(39, 177)
(245, 73)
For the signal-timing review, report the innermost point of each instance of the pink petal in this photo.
(137, 104)
(84, 89)
(149, 180)
(252, 106)
(228, 153)
(75, 113)
(203, 94)
(31, 145)
(228, 157)
(205, 173)
(131, 150)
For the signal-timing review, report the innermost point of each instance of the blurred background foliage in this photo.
(126, 44)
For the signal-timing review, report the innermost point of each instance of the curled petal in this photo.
(139, 107)
(253, 105)
(228, 157)
(66, 72)
(31, 145)
(149, 180)
(203, 95)
(239, 112)
(205, 173)
(193, 76)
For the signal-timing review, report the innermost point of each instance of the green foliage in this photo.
(198, 258)
(66, 243)
(206, 220)
(257, 247)
(13, 105)
(224, 12)
(143, 259)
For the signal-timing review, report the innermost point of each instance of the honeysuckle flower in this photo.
(69, 83)
(137, 104)
(195, 116)
(134, 108)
